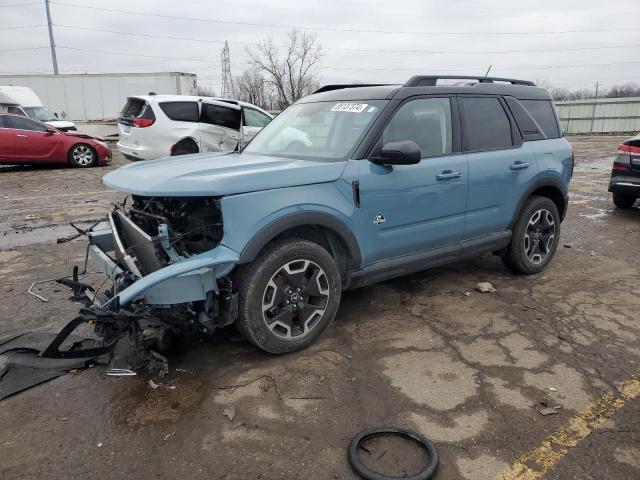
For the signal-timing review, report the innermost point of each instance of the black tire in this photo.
(82, 155)
(533, 246)
(269, 314)
(623, 201)
(185, 147)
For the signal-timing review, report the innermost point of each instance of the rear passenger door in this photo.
(219, 127)
(501, 166)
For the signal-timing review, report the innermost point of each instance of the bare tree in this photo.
(624, 90)
(291, 72)
(205, 91)
(251, 87)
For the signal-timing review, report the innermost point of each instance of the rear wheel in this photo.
(82, 156)
(288, 296)
(623, 201)
(535, 236)
(184, 147)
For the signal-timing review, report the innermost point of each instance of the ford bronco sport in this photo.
(349, 186)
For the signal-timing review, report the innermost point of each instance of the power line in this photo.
(22, 49)
(333, 29)
(21, 27)
(133, 54)
(19, 5)
(355, 50)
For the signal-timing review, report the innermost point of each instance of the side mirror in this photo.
(51, 131)
(406, 152)
(56, 114)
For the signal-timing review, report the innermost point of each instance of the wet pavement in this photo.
(467, 369)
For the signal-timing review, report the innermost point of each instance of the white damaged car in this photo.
(157, 126)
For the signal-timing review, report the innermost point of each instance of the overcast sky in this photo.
(440, 36)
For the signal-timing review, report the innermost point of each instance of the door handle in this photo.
(519, 165)
(448, 175)
(22, 136)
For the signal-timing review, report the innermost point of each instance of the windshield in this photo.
(40, 113)
(318, 131)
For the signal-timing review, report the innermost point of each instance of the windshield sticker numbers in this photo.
(350, 107)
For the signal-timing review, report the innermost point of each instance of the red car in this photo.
(26, 141)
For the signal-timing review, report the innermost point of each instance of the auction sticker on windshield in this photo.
(350, 107)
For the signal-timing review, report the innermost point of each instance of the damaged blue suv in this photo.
(349, 186)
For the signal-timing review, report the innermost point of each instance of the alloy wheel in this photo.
(82, 156)
(295, 299)
(539, 236)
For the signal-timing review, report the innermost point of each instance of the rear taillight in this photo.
(624, 149)
(142, 122)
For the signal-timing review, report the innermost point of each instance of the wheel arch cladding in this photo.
(549, 189)
(320, 227)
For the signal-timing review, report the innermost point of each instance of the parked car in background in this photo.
(625, 174)
(26, 141)
(156, 126)
(23, 101)
(344, 188)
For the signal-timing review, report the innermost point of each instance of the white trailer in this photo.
(99, 97)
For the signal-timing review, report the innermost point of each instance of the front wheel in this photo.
(82, 156)
(288, 296)
(535, 236)
(623, 201)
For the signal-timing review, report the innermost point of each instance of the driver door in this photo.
(409, 209)
(219, 126)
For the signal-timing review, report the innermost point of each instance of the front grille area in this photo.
(195, 224)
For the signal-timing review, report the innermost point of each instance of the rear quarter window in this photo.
(181, 111)
(544, 114)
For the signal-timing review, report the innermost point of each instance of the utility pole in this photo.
(51, 40)
(593, 112)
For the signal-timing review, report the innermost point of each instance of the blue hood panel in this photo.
(218, 174)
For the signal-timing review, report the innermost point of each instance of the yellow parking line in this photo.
(536, 463)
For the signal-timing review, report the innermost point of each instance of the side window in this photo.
(2, 122)
(23, 123)
(543, 113)
(487, 124)
(221, 116)
(181, 111)
(254, 118)
(427, 122)
(15, 110)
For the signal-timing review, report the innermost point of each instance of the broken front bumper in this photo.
(124, 253)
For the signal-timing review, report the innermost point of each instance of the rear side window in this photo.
(24, 123)
(542, 111)
(2, 122)
(487, 125)
(180, 111)
(221, 116)
(133, 107)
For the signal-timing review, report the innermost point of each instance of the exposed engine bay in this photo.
(194, 224)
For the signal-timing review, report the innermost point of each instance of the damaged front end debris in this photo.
(166, 272)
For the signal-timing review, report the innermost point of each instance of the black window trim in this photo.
(516, 137)
(527, 136)
(385, 118)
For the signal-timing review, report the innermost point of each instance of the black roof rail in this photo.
(328, 88)
(432, 80)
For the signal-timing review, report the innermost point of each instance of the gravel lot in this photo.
(427, 351)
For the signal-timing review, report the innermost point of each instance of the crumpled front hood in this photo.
(218, 174)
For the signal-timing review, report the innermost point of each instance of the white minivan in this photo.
(157, 126)
(24, 101)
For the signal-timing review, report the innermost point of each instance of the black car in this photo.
(625, 174)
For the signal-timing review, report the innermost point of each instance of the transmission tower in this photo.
(227, 81)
